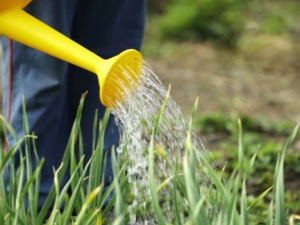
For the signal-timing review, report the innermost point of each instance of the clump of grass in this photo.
(219, 203)
(261, 137)
(87, 199)
(229, 202)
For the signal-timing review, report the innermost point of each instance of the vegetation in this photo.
(227, 23)
(225, 201)
(262, 138)
(203, 20)
(19, 202)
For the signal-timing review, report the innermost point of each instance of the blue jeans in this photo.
(52, 88)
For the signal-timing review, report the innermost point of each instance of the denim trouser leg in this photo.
(52, 88)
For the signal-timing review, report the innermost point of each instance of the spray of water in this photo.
(135, 119)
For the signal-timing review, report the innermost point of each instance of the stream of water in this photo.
(136, 119)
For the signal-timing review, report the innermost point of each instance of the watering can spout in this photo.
(18, 25)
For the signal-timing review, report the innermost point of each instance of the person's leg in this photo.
(106, 28)
(42, 80)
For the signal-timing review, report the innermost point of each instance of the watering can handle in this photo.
(20, 26)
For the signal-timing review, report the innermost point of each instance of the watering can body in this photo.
(124, 68)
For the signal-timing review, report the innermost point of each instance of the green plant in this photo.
(87, 203)
(227, 204)
(220, 122)
(280, 18)
(275, 25)
(261, 137)
(195, 202)
(220, 21)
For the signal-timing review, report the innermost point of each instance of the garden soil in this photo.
(260, 81)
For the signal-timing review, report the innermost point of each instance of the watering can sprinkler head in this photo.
(117, 76)
(121, 77)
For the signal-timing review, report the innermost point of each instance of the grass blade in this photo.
(260, 197)
(158, 211)
(280, 215)
(119, 207)
(65, 161)
(177, 206)
(154, 197)
(97, 166)
(270, 214)
(19, 200)
(13, 150)
(56, 185)
(197, 212)
(241, 150)
(244, 212)
(88, 201)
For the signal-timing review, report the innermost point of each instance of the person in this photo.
(52, 88)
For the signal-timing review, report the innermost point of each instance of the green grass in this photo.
(87, 204)
(262, 138)
(224, 201)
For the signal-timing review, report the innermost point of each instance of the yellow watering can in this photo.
(114, 75)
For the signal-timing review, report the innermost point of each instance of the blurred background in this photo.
(236, 55)
(242, 59)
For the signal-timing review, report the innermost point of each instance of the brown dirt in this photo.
(262, 79)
